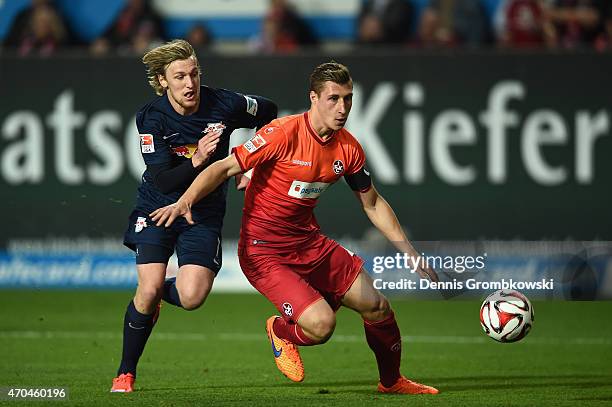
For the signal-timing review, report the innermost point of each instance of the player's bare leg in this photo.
(138, 323)
(148, 292)
(318, 322)
(193, 284)
(189, 288)
(383, 336)
(315, 326)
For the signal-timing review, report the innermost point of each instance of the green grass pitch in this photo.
(219, 354)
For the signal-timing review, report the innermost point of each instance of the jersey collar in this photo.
(314, 133)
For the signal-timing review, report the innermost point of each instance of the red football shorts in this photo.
(293, 280)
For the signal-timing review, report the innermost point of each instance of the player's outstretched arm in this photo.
(383, 217)
(206, 182)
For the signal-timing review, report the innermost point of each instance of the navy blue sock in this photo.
(136, 330)
(170, 294)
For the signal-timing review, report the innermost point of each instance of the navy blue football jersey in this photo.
(169, 138)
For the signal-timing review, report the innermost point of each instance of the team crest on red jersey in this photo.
(287, 309)
(338, 167)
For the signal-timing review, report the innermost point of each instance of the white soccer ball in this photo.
(506, 316)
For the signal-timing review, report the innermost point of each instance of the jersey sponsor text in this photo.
(301, 189)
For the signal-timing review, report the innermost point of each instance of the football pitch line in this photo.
(253, 337)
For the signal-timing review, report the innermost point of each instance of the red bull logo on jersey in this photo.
(312, 190)
(213, 127)
(140, 224)
(187, 151)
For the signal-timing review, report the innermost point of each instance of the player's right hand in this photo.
(428, 273)
(168, 214)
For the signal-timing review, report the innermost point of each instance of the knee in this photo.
(193, 285)
(378, 310)
(147, 297)
(323, 327)
(192, 299)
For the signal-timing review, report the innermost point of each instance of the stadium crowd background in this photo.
(45, 27)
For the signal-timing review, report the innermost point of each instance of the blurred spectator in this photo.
(137, 28)
(385, 22)
(454, 22)
(605, 40)
(578, 23)
(283, 30)
(523, 24)
(39, 30)
(199, 37)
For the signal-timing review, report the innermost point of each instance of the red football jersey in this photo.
(293, 166)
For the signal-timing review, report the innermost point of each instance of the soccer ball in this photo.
(506, 316)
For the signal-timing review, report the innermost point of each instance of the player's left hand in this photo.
(242, 180)
(168, 214)
(207, 146)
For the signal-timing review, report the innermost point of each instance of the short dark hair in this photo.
(329, 72)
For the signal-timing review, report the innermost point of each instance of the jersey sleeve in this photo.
(357, 176)
(250, 111)
(269, 143)
(153, 147)
(168, 178)
(357, 159)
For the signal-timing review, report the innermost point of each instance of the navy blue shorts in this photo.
(198, 244)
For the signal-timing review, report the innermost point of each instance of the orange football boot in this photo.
(286, 354)
(124, 383)
(405, 386)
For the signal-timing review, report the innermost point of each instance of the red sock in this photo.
(385, 340)
(291, 332)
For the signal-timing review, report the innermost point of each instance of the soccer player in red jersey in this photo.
(306, 275)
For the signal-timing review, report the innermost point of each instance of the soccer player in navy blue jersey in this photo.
(182, 131)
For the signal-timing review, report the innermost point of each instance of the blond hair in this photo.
(329, 72)
(158, 59)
